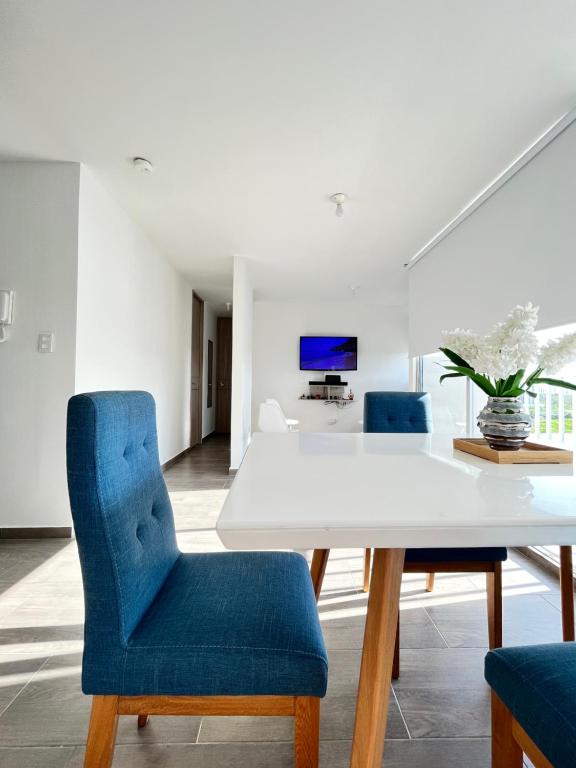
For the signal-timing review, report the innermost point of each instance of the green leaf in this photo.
(481, 381)
(516, 392)
(484, 383)
(555, 383)
(464, 370)
(532, 377)
(454, 358)
(518, 378)
(532, 394)
(510, 387)
(450, 376)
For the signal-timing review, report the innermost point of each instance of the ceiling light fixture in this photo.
(339, 199)
(142, 165)
(228, 306)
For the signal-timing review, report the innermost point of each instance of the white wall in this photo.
(134, 315)
(382, 357)
(209, 414)
(242, 344)
(38, 244)
(517, 247)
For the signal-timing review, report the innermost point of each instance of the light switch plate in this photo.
(45, 342)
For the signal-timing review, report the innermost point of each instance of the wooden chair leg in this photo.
(506, 753)
(142, 721)
(396, 662)
(306, 732)
(567, 593)
(430, 582)
(102, 732)
(494, 589)
(318, 569)
(367, 564)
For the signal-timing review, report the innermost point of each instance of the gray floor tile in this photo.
(52, 710)
(447, 668)
(16, 671)
(424, 753)
(446, 713)
(233, 755)
(336, 723)
(36, 757)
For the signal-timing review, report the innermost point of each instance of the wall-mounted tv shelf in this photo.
(323, 384)
(328, 393)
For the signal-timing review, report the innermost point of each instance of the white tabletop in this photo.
(305, 490)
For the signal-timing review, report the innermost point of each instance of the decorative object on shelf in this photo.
(498, 364)
(328, 389)
(530, 453)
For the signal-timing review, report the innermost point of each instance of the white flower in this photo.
(558, 353)
(464, 343)
(510, 346)
(514, 340)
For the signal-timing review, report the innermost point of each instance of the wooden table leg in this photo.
(377, 658)
(567, 593)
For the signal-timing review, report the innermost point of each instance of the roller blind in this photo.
(519, 246)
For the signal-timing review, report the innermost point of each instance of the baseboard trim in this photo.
(63, 532)
(175, 459)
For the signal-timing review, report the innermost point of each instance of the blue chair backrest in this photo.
(121, 509)
(397, 412)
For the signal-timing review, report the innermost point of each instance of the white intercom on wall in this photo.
(6, 312)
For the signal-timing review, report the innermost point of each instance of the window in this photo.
(449, 399)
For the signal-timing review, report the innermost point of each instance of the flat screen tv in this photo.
(328, 353)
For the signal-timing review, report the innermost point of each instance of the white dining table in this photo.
(388, 492)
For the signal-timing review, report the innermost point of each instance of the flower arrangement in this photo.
(509, 360)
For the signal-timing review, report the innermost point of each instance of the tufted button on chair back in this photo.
(397, 412)
(122, 514)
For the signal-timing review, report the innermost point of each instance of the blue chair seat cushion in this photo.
(538, 685)
(223, 624)
(464, 555)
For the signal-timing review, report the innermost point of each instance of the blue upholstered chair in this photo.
(397, 412)
(411, 412)
(174, 633)
(533, 705)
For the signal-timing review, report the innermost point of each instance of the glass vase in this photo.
(505, 423)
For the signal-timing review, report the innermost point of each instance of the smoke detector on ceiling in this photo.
(142, 165)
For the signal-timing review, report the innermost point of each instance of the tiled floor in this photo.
(439, 712)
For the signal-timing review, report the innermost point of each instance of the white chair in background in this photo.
(271, 419)
(292, 423)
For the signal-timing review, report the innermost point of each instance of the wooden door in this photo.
(223, 374)
(197, 370)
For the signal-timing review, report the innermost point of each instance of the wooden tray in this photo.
(530, 453)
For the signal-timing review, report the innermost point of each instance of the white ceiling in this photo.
(254, 112)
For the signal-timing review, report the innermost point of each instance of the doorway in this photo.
(223, 374)
(197, 370)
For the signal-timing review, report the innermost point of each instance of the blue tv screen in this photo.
(328, 353)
